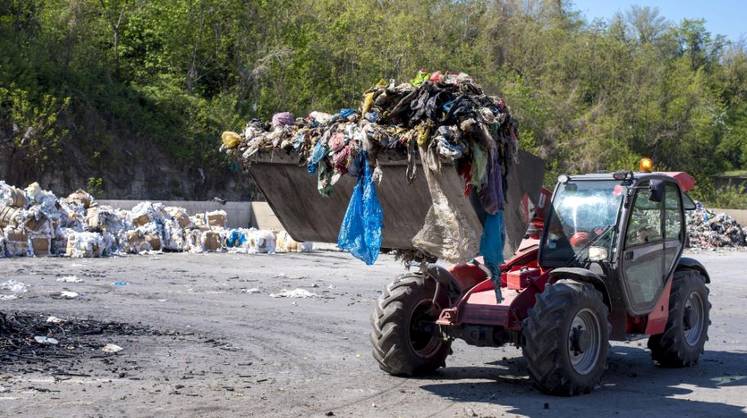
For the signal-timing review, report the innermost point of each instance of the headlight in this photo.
(597, 254)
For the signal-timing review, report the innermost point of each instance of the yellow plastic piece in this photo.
(230, 139)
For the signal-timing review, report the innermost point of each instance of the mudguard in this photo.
(693, 264)
(581, 275)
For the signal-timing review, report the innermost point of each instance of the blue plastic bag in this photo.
(235, 238)
(360, 232)
(491, 247)
(317, 154)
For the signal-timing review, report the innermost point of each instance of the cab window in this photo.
(645, 222)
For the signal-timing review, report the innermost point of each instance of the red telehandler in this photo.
(603, 262)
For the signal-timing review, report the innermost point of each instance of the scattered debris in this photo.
(250, 291)
(120, 283)
(70, 279)
(14, 286)
(54, 320)
(708, 229)
(66, 294)
(45, 340)
(112, 348)
(295, 293)
(8, 297)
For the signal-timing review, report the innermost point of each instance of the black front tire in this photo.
(405, 339)
(554, 362)
(684, 338)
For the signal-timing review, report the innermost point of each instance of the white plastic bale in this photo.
(264, 241)
(59, 240)
(173, 236)
(216, 218)
(284, 243)
(85, 245)
(43, 198)
(11, 196)
(211, 241)
(72, 216)
(145, 212)
(194, 241)
(16, 242)
(180, 215)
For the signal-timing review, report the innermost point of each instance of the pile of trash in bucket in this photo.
(708, 229)
(436, 118)
(34, 222)
(448, 115)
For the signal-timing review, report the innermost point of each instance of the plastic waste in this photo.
(297, 293)
(70, 279)
(111, 348)
(45, 340)
(282, 119)
(451, 229)
(230, 139)
(14, 286)
(360, 232)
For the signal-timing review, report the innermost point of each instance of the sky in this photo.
(723, 17)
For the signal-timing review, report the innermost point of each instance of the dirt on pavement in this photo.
(201, 336)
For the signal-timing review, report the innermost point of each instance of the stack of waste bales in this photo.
(34, 222)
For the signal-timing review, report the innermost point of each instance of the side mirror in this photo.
(656, 189)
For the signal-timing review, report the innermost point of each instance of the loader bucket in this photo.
(292, 194)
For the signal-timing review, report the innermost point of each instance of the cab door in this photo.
(674, 227)
(643, 251)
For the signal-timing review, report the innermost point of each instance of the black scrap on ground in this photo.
(76, 339)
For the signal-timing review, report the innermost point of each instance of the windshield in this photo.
(583, 215)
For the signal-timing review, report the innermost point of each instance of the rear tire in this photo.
(405, 339)
(684, 338)
(566, 337)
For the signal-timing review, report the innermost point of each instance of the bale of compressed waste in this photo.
(16, 242)
(78, 227)
(12, 196)
(216, 219)
(285, 244)
(82, 198)
(10, 216)
(180, 215)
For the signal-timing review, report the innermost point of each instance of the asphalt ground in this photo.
(201, 336)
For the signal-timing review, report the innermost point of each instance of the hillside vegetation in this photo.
(96, 79)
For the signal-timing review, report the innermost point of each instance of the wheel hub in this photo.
(579, 340)
(424, 338)
(693, 318)
(584, 341)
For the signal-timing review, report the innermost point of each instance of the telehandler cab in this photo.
(603, 261)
